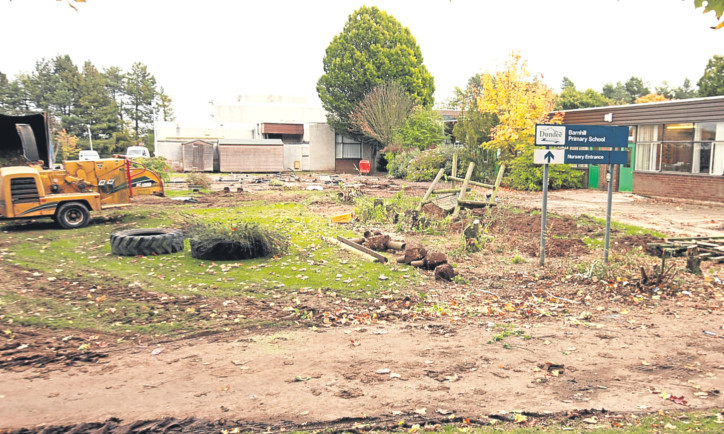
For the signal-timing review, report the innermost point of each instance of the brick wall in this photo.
(684, 186)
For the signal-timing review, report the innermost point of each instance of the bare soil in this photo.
(556, 344)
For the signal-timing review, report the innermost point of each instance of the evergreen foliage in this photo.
(712, 82)
(373, 48)
(116, 105)
(223, 240)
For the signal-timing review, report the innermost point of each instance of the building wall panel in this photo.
(680, 186)
(251, 158)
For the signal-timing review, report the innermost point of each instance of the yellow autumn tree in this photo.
(68, 145)
(519, 100)
(652, 97)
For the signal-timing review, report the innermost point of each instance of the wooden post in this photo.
(463, 189)
(432, 187)
(454, 169)
(498, 180)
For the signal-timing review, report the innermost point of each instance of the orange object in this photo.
(343, 218)
(364, 166)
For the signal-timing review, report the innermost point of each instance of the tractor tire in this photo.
(147, 242)
(72, 215)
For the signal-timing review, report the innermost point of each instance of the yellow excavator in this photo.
(67, 193)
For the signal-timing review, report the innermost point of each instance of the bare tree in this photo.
(382, 112)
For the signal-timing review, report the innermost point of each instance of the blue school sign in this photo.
(582, 136)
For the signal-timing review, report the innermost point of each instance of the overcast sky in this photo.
(202, 50)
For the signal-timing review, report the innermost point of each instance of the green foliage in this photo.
(158, 165)
(570, 98)
(140, 89)
(198, 178)
(422, 130)
(116, 105)
(373, 48)
(522, 174)
(425, 166)
(472, 129)
(684, 91)
(398, 163)
(626, 93)
(251, 239)
(712, 82)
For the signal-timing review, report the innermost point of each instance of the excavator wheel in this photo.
(147, 242)
(72, 215)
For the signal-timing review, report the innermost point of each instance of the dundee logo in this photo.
(550, 135)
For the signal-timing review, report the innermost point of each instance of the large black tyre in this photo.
(147, 242)
(72, 215)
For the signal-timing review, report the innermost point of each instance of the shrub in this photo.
(399, 162)
(522, 174)
(425, 166)
(157, 164)
(198, 178)
(223, 240)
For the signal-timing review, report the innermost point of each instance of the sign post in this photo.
(579, 136)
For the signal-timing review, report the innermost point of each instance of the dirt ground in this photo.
(511, 340)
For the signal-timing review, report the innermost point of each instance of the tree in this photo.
(570, 98)
(163, 102)
(684, 91)
(519, 100)
(617, 93)
(473, 128)
(626, 93)
(373, 48)
(382, 112)
(652, 97)
(114, 78)
(712, 82)
(636, 88)
(96, 108)
(67, 144)
(716, 6)
(140, 90)
(422, 130)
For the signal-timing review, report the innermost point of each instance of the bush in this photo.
(233, 240)
(399, 162)
(522, 174)
(425, 166)
(198, 178)
(157, 164)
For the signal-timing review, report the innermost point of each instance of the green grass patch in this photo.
(627, 229)
(84, 255)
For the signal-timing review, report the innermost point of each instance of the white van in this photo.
(137, 151)
(88, 156)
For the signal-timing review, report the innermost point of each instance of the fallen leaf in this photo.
(520, 418)
(591, 420)
(677, 399)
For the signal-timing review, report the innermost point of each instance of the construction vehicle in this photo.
(68, 192)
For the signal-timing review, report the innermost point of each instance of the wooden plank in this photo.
(432, 187)
(454, 169)
(474, 203)
(475, 183)
(463, 189)
(362, 248)
(498, 180)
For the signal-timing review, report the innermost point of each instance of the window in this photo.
(648, 148)
(346, 147)
(681, 147)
